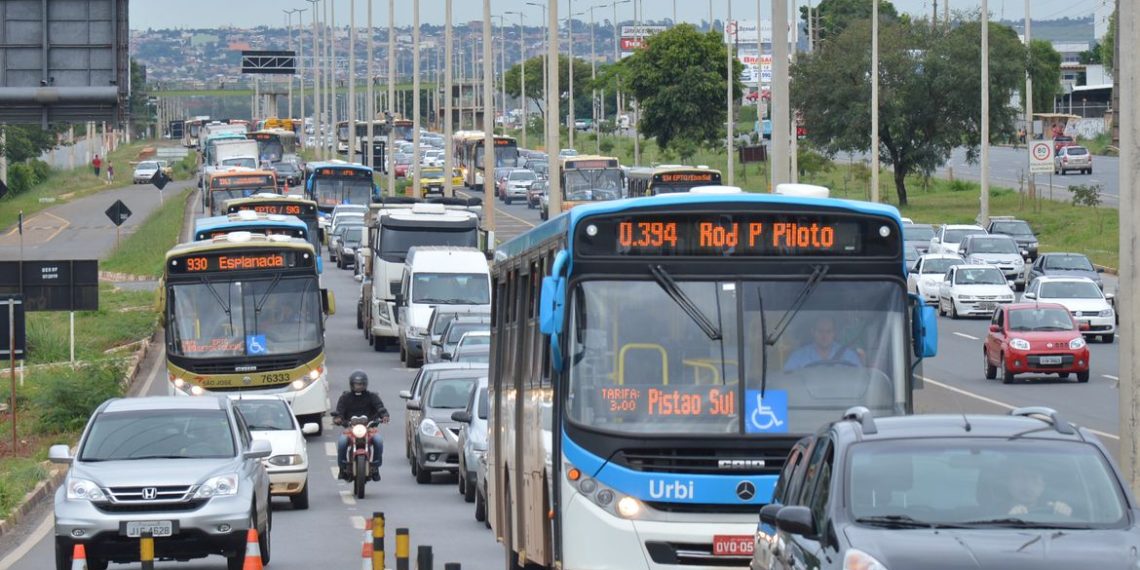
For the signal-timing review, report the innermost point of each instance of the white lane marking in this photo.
(347, 498)
(964, 335)
(999, 403)
(26, 546)
(1110, 376)
(330, 448)
(335, 471)
(158, 363)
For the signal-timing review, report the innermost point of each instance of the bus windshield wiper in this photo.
(814, 280)
(674, 291)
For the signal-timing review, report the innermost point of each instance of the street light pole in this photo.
(570, 63)
(390, 111)
(984, 210)
(503, 69)
(552, 103)
(416, 121)
(488, 123)
(370, 108)
(301, 68)
(594, 78)
(875, 100)
(545, 37)
(332, 80)
(781, 98)
(728, 95)
(448, 104)
(289, 31)
(1127, 28)
(351, 119)
(522, 73)
(316, 79)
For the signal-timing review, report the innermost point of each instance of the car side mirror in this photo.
(962, 252)
(445, 356)
(60, 454)
(769, 512)
(259, 449)
(936, 240)
(995, 328)
(1110, 296)
(461, 416)
(414, 405)
(399, 300)
(794, 519)
(1029, 295)
(1100, 270)
(394, 288)
(405, 395)
(311, 428)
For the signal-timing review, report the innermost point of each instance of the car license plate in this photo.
(1050, 360)
(986, 306)
(733, 545)
(135, 529)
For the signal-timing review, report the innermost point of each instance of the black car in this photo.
(288, 174)
(1019, 230)
(1059, 264)
(918, 235)
(1027, 490)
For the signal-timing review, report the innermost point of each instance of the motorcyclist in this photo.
(358, 401)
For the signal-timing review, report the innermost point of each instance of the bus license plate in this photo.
(733, 545)
(1050, 360)
(135, 529)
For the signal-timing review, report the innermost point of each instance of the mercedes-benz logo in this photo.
(746, 490)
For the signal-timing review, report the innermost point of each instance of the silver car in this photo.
(472, 439)
(185, 470)
(435, 446)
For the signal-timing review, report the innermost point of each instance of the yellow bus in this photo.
(669, 179)
(244, 312)
(589, 178)
(469, 152)
(236, 183)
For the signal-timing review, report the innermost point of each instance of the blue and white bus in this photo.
(336, 182)
(654, 360)
(256, 223)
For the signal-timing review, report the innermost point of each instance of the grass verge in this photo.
(124, 317)
(144, 251)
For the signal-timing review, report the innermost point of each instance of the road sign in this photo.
(1041, 157)
(160, 180)
(52, 285)
(269, 62)
(118, 213)
(14, 328)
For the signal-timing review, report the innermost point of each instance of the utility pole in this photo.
(984, 210)
(488, 123)
(637, 7)
(781, 98)
(390, 112)
(332, 80)
(934, 18)
(448, 104)
(289, 31)
(503, 69)
(522, 73)
(1127, 28)
(351, 119)
(370, 108)
(570, 50)
(1029, 103)
(416, 121)
(594, 78)
(545, 81)
(874, 101)
(728, 96)
(301, 69)
(552, 135)
(315, 8)
(810, 28)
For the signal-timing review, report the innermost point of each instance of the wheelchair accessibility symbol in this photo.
(255, 344)
(767, 413)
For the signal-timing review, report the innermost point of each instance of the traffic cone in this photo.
(252, 552)
(366, 550)
(285, 191)
(78, 558)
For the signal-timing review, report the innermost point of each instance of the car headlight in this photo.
(1007, 299)
(284, 460)
(429, 428)
(220, 486)
(1019, 343)
(965, 298)
(855, 559)
(1032, 245)
(1106, 313)
(1077, 343)
(359, 431)
(84, 490)
(349, 250)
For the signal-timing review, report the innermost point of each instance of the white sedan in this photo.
(973, 290)
(929, 272)
(949, 236)
(270, 418)
(1083, 298)
(145, 171)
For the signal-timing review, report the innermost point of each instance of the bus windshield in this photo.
(334, 191)
(211, 319)
(641, 363)
(592, 185)
(507, 155)
(219, 196)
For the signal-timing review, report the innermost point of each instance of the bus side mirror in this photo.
(328, 302)
(551, 308)
(925, 325)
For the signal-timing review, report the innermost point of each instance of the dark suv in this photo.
(1027, 490)
(1019, 230)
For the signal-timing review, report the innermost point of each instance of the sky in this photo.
(250, 13)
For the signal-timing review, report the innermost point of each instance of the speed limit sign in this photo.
(1041, 157)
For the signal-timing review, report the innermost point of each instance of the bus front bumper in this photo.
(310, 400)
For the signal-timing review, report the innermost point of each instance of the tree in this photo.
(833, 16)
(929, 92)
(678, 81)
(26, 142)
(1045, 68)
(536, 88)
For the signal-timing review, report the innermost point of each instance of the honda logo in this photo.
(149, 493)
(740, 464)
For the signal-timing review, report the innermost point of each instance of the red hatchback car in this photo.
(1034, 338)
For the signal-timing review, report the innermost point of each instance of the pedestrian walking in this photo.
(96, 163)
(110, 173)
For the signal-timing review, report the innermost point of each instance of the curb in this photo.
(42, 491)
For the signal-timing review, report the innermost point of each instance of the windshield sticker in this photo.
(767, 413)
(255, 344)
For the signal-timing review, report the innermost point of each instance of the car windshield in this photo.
(640, 362)
(1018, 228)
(457, 331)
(1076, 151)
(158, 434)
(939, 265)
(1039, 319)
(265, 415)
(984, 483)
(993, 245)
(474, 353)
(474, 340)
(956, 236)
(450, 393)
(917, 233)
(354, 235)
(523, 176)
(1070, 290)
(583, 185)
(1068, 262)
(333, 191)
(285, 167)
(433, 172)
(148, 166)
(451, 288)
(264, 317)
(979, 276)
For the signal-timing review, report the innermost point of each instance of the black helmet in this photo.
(358, 378)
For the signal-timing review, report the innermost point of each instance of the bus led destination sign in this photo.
(737, 235)
(665, 401)
(223, 262)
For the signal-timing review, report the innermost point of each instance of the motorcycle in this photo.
(360, 432)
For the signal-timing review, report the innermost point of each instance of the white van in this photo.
(437, 275)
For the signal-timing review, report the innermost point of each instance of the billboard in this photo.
(744, 32)
(756, 68)
(633, 37)
(64, 61)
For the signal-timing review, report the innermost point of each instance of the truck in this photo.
(394, 227)
(224, 152)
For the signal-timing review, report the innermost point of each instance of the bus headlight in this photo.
(628, 507)
(197, 391)
(178, 383)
